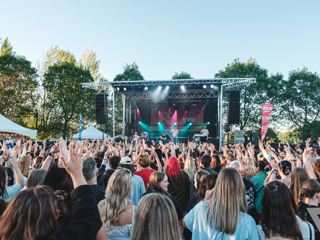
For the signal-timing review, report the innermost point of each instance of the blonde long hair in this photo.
(251, 171)
(189, 167)
(24, 165)
(117, 196)
(156, 219)
(229, 194)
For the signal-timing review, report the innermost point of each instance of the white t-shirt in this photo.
(205, 132)
(175, 133)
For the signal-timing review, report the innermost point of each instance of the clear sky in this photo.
(199, 37)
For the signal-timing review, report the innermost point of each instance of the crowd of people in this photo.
(158, 190)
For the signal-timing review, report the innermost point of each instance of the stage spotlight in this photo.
(204, 86)
(124, 89)
(158, 122)
(211, 86)
(182, 86)
(118, 88)
(139, 122)
(145, 88)
(159, 87)
(175, 124)
(190, 123)
(167, 87)
(208, 122)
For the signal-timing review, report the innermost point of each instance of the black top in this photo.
(84, 222)
(99, 192)
(217, 169)
(305, 215)
(159, 153)
(174, 201)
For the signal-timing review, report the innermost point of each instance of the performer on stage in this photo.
(144, 135)
(205, 132)
(175, 133)
(136, 137)
(165, 137)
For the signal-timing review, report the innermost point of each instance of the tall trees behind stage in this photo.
(50, 97)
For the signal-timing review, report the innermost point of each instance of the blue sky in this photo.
(198, 37)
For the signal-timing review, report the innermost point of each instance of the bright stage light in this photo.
(190, 123)
(124, 89)
(139, 122)
(182, 86)
(118, 88)
(204, 86)
(167, 87)
(158, 122)
(159, 87)
(208, 123)
(146, 88)
(211, 86)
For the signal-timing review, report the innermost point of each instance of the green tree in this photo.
(292, 137)
(299, 100)
(17, 85)
(264, 90)
(182, 75)
(69, 99)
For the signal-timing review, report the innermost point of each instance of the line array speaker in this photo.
(102, 108)
(234, 107)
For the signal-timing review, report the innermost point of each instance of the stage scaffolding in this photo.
(194, 91)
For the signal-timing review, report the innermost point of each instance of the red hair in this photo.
(173, 169)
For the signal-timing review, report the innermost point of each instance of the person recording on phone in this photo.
(175, 133)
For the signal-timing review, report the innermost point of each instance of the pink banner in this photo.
(265, 119)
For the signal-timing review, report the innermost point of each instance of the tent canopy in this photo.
(7, 126)
(92, 133)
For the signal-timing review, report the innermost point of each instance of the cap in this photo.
(125, 161)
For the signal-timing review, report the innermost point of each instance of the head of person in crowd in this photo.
(173, 169)
(260, 166)
(298, 176)
(206, 161)
(234, 164)
(114, 162)
(279, 212)
(229, 193)
(189, 167)
(310, 193)
(215, 161)
(158, 182)
(118, 195)
(143, 161)
(285, 167)
(35, 177)
(229, 161)
(316, 168)
(126, 163)
(208, 183)
(24, 165)
(98, 161)
(18, 220)
(10, 181)
(90, 171)
(38, 160)
(198, 177)
(156, 219)
(106, 177)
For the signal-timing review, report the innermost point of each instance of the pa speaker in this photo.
(234, 107)
(101, 108)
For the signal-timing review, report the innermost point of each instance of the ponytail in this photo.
(309, 188)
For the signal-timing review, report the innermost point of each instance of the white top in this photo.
(205, 132)
(303, 226)
(175, 133)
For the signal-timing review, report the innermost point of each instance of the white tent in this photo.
(92, 133)
(7, 126)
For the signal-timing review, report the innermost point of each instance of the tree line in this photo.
(50, 97)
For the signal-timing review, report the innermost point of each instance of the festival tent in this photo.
(11, 129)
(92, 133)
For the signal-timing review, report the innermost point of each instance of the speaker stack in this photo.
(233, 107)
(102, 108)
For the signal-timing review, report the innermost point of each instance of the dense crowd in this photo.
(158, 190)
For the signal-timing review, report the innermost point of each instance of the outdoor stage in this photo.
(157, 106)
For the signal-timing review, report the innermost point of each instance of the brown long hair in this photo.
(30, 215)
(229, 194)
(298, 176)
(24, 165)
(154, 180)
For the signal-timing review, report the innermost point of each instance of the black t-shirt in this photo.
(159, 153)
(305, 216)
(251, 195)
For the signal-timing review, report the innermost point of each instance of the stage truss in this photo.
(133, 91)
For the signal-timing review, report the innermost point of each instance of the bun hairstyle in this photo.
(285, 167)
(309, 189)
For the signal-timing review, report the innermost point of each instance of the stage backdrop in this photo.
(168, 116)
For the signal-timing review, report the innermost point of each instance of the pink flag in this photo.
(265, 119)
